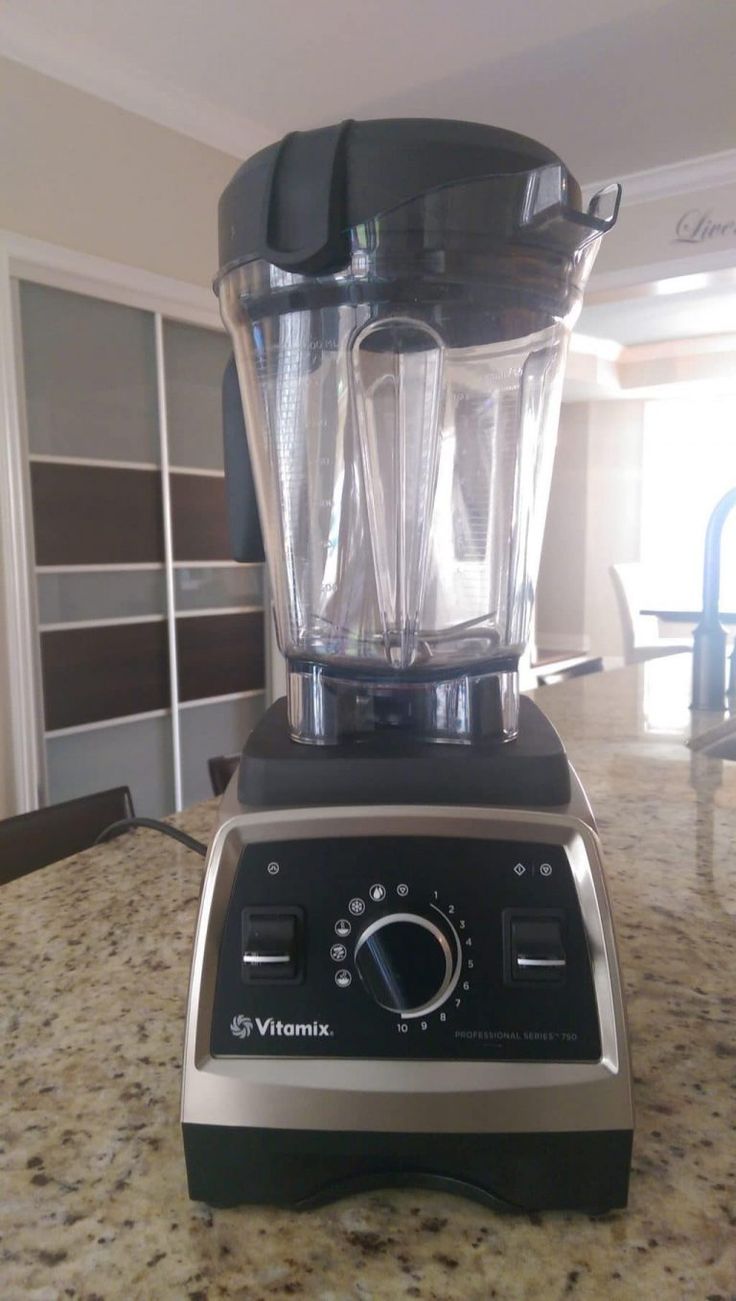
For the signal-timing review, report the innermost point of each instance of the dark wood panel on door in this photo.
(220, 654)
(199, 517)
(94, 673)
(96, 515)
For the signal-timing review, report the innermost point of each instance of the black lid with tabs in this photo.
(294, 203)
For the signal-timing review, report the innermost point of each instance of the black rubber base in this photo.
(303, 1168)
(391, 768)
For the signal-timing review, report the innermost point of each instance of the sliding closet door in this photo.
(103, 403)
(93, 440)
(218, 604)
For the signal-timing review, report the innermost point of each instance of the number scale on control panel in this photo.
(405, 947)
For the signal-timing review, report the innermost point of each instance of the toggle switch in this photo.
(534, 950)
(271, 945)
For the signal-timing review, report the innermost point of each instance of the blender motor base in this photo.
(393, 768)
(299, 1169)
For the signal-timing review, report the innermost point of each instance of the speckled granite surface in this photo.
(94, 965)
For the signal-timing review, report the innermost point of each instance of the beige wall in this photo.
(560, 618)
(593, 522)
(613, 514)
(82, 173)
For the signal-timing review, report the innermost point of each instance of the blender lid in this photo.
(294, 203)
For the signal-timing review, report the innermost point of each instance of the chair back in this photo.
(32, 840)
(637, 630)
(221, 768)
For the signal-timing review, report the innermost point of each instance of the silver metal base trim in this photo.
(415, 1096)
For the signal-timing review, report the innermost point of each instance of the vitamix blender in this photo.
(404, 968)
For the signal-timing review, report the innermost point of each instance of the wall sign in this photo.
(700, 226)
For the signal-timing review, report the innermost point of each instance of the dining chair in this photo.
(640, 632)
(221, 768)
(32, 840)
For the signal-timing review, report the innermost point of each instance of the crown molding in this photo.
(76, 64)
(687, 177)
(600, 369)
(703, 345)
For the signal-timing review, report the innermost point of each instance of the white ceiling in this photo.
(615, 86)
(689, 307)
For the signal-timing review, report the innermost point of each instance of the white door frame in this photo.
(22, 258)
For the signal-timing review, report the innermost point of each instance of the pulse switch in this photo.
(271, 945)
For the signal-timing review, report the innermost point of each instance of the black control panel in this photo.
(405, 947)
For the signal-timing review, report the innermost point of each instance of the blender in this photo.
(404, 967)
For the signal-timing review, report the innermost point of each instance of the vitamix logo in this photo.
(243, 1026)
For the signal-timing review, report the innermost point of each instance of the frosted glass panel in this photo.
(195, 360)
(138, 755)
(209, 730)
(90, 376)
(201, 589)
(66, 598)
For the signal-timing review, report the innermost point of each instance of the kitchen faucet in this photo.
(709, 638)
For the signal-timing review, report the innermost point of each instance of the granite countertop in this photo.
(94, 961)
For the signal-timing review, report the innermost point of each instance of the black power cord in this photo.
(125, 824)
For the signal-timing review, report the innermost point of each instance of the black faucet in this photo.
(709, 638)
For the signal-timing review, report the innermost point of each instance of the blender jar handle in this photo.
(604, 205)
(246, 539)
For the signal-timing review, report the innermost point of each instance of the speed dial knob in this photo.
(407, 963)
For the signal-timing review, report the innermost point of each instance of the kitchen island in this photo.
(94, 960)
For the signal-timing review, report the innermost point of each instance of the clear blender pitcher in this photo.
(399, 295)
